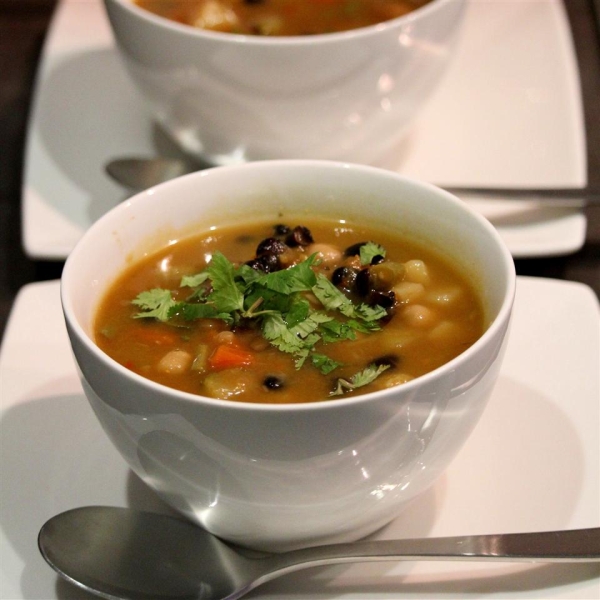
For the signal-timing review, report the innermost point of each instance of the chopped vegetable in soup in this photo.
(280, 17)
(286, 314)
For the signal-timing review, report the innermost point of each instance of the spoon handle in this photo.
(140, 173)
(579, 545)
(565, 197)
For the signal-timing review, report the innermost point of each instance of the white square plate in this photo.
(509, 112)
(532, 463)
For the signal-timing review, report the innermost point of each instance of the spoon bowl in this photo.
(122, 553)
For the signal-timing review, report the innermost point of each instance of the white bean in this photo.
(258, 344)
(225, 337)
(407, 291)
(446, 297)
(416, 271)
(327, 253)
(445, 332)
(417, 315)
(174, 362)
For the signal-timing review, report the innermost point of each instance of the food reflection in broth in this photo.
(287, 314)
(280, 17)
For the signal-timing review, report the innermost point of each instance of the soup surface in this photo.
(284, 314)
(280, 17)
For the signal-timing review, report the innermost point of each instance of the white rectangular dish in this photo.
(532, 463)
(509, 113)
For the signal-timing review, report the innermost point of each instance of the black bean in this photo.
(344, 277)
(377, 259)
(391, 360)
(383, 299)
(271, 245)
(354, 250)
(281, 229)
(300, 236)
(363, 282)
(255, 264)
(253, 1)
(271, 262)
(272, 382)
(266, 262)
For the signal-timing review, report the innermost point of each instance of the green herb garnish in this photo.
(277, 303)
(156, 303)
(334, 299)
(360, 379)
(369, 251)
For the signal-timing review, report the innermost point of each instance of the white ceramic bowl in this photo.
(232, 98)
(281, 476)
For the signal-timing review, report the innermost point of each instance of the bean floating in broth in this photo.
(280, 314)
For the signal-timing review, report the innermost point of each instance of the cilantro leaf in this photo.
(369, 251)
(259, 301)
(194, 280)
(334, 299)
(298, 278)
(155, 303)
(191, 311)
(276, 331)
(363, 326)
(247, 274)
(370, 313)
(297, 340)
(324, 363)
(226, 296)
(336, 331)
(360, 379)
(310, 324)
(297, 312)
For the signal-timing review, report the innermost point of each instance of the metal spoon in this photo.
(122, 553)
(143, 173)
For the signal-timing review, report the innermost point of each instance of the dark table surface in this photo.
(23, 25)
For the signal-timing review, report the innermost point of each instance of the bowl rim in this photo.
(297, 40)
(501, 320)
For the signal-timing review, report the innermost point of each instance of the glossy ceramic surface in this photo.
(281, 476)
(499, 481)
(526, 84)
(232, 98)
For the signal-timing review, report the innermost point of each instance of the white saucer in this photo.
(531, 464)
(509, 113)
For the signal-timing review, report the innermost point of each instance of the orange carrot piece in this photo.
(227, 356)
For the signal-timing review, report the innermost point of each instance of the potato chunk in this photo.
(228, 383)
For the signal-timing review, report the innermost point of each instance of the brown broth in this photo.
(437, 314)
(280, 17)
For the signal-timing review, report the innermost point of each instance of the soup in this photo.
(285, 314)
(280, 17)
